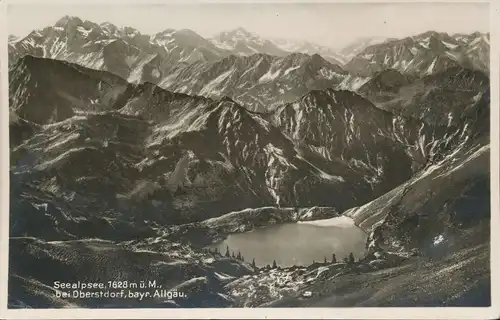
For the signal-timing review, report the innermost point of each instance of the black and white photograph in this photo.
(248, 155)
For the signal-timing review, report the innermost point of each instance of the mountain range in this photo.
(426, 53)
(138, 151)
(239, 63)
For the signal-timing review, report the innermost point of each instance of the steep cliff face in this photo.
(445, 201)
(427, 213)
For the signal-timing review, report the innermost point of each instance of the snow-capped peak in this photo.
(64, 21)
(307, 47)
(425, 53)
(243, 42)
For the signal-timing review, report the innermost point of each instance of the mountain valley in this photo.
(132, 155)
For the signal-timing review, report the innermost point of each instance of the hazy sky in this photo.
(334, 24)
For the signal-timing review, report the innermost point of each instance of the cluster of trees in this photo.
(349, 259)
(325, 261)
(274, 266)
(230, 254)
(239, 256)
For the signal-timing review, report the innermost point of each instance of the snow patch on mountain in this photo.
(211, 87)
(269, 76)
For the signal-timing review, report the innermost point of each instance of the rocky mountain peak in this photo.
(188, 33)
(239, 33)
(67, 20)
(436, 44)
(165, 33)
(317, 59)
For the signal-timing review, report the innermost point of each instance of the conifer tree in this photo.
(238, 256)
(253, 263)
(334, 258)
(227, 252)
(233, 256)
(274, 264)
(325, 261)
(351, 258)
